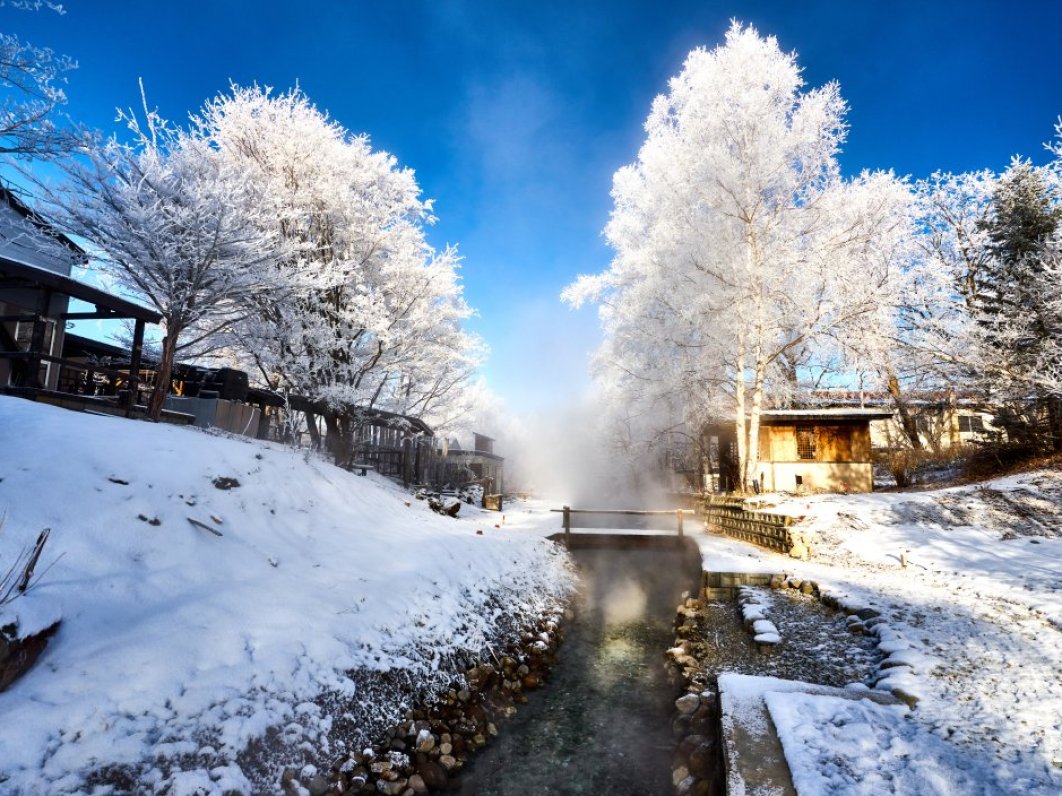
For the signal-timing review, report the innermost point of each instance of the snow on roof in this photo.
(831, 412)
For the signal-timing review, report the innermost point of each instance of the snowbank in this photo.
(181, 643)
(854, 747)
(971, 627)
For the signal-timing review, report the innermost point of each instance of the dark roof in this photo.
(783, 415)
(74, 345)
(33, 276)
(22, 209)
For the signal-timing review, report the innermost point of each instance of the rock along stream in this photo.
(602, 723)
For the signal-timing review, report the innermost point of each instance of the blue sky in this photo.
(516, 114)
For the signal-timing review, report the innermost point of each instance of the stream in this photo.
(602, 724)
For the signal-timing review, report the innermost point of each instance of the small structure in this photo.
(395, 445)
(803, 450)
(482, 461)
(35, 293)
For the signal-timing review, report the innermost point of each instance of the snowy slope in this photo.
(178, 646)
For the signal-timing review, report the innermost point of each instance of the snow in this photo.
(842, 746)
(970, 627)
(29, 614)
(179, 647)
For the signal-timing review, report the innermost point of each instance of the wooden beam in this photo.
(33, 376)
(91, 316)
(134, 365)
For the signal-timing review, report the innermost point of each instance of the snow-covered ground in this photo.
(181, 644)
(976, 614)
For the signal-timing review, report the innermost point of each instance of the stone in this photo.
(448, 762)
(807, 587)
(417, 785)
(393, 788)
(433, 774)
(679, 774)
(445, 748)
(703, 759)
(680, 725)
(688, 703)
(318, 786)
(907, 697)
(425, 741)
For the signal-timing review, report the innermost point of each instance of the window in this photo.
(805, 440)
(972, 424)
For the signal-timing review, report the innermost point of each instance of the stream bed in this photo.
(602, 724)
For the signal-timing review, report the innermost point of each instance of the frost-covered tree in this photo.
(1020, 233)
(31, 93)
(172, 224)
(370, 315)
(740, 252)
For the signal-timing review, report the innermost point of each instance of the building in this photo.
(940, 427)
(943, 418)
(35, 294)
(802, 450)
(481, 460)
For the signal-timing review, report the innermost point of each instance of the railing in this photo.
(568, 512)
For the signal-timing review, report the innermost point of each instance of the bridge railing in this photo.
(571, 517)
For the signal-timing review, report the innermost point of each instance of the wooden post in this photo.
(134, 366)
(567, 526)
(679, 515)
(36, 346)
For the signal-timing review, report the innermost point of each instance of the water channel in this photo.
(602, 724)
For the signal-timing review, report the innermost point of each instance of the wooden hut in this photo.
(803, 450)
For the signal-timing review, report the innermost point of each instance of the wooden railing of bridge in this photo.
(569, 513)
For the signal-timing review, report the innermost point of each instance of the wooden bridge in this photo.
(624, 526)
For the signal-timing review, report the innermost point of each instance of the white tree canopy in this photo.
(171, 223)
(370, 314)
(740, 252)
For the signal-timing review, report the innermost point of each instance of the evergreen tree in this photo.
(1015, 297)
(1020, 232)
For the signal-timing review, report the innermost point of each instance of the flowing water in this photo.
(602, 724)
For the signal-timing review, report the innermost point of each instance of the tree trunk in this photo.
(1054, 422)
(311, 428)
(162, 378)
(753, 455)
(907, 420)
(739, 414)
